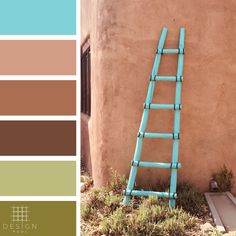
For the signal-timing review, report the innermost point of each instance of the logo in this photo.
(20, 214)
(20, 222)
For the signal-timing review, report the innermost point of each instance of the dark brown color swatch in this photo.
(37, 57)
(37, 97)
(37, 138)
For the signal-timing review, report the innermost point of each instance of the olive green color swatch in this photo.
(37, 178)
(38, 218)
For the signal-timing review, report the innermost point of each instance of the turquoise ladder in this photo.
(174, 165)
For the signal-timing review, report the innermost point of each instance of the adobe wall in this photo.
(124, 35)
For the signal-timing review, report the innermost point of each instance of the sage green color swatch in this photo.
(38, 178)
(38, 218)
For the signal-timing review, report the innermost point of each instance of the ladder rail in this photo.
(175, 149)
(144, 119)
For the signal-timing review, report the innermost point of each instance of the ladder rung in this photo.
(149, 193)
(170, 51)
(158, 135)
(171, 165)
(162, 106)
(177, 78)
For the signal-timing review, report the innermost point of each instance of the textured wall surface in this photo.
(124, 36)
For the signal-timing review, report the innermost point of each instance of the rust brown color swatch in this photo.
(37, 57)
(37, 138)
(37, 97)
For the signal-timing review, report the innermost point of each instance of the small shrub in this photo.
(96, 199)
(155, 216)
(214, 232)
(161, 186)
(85, 211)
(224, 179)
(172, 227)
(190, 200)
(151, 201)
(113, 201)
(93, 206)
(115, 224)
(117, 184)
(154, 213)
(87, 182)
(182, 216)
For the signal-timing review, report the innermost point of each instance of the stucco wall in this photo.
(124, 35)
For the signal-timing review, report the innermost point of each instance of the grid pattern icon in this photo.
(20, 214)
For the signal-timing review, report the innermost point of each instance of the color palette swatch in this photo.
(37, 138)
(38, 155)
(37, 178)
(38, 17)
(37, 97)
(37, 57)
(40, 218)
